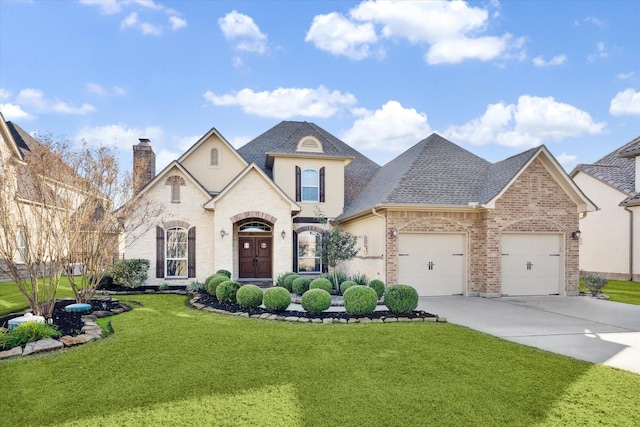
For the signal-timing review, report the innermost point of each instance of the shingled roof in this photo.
(284, 137)
(436, 171)
(617, 169)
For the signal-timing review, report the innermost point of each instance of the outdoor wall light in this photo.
(283, 234)
(222, 233)
(576, 234)
(393, 232)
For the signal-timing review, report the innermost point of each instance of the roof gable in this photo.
(165, 173)
(284, 139)
(205, 137)
(7, 129)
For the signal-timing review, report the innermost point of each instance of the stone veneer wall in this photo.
(533, 203)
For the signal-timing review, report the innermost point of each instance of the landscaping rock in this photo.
(14, 352)
(40, 346)
(70, 341)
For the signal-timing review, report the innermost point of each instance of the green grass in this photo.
(11, 300)
(168, 364)
(620, 291)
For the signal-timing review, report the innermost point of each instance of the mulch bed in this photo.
(231, 307)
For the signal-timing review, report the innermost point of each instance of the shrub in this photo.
(361, 279)
(594, 283)
(316, 300)
(360, 300)
(346, 285)
(277, 298)
(300, 285)
(213, 283)
(341, 277)
(224, 273)
(249, 296)
(321, 283)
(378, 286)
(195, 287)
(28, 332)
(226, 291)
(130, 272)
(282, 277)
(401, 298)
(163, 287)
(106, 282)
(288, 282)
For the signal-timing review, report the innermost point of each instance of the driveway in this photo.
(581, 327)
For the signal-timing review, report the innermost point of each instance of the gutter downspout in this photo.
(384, 233)
(630, 242)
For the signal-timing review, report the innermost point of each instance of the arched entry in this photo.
(255, 251)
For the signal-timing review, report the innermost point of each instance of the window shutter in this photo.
(191, 252)
(295, 251)
(298, 184)
(322, 184)
(159, 252)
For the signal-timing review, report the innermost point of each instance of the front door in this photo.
(255, 257)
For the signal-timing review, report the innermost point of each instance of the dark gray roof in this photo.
(436, 171)
(284, 137)
(617, 169)
(21, 137)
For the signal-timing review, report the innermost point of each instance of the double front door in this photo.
(255, 257)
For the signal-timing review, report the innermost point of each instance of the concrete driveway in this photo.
(581, 327)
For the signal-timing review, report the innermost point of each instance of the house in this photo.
(610, 243)
(437, 217)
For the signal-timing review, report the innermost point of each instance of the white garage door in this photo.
(434, 264)
(531, 264)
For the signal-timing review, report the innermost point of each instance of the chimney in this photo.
(144, 164)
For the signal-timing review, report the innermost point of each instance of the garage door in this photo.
(531, 264)
(434, 264)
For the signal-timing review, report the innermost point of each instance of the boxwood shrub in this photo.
(226, 291)
(401, 298)
(276, 298)
(378, 286)
(321, 283)
(249, 296)
(224, 273)
(346, 285)
(282, 277)
(360, 300)
(288, 281)
(300, 285)
(316, 300)
(212, 283)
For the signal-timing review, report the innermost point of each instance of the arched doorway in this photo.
(255, 251)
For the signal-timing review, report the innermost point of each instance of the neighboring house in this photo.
(437, 217)
(610, 240)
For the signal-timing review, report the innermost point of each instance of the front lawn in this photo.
(11, 300)
(168, 364)
(620, 291)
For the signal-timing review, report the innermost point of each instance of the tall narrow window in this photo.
(310, 185)
(176, 253)
(309, 255)
(21, 245)
(213, 157)
(175, 192)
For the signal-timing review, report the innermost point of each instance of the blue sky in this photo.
(494, 77)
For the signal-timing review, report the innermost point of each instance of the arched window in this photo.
(309, 252)
(175, 182)
(176, 252)
(214, 159)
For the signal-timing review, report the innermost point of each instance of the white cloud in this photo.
(35, 99)
(601, 52)
(177, 23)
(130, 21)
(336, 34)
(451, 30)
(107, 7)
(567, 160)
(148, 28)
(626, 102)
(529, 123)
(118, 135)
(539, 61)
(391, 128)
(4, 94)
(624, 76)
(243, 31)
(284, 103)
(185, 142)
(14, 112)
(164, 157)
(96, 89)
(595, 21)
(239, 141)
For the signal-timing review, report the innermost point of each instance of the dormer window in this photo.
(310, 144)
